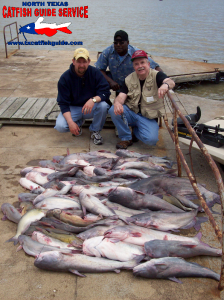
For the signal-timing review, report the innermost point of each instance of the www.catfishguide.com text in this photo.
(45, 43)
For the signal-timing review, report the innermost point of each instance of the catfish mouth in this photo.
(140, 272)
(115, 235)
(38, 258)
(149, 253)
(107, 234)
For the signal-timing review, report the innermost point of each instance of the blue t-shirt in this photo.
(120, 66)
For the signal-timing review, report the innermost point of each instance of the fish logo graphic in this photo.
(44, 28)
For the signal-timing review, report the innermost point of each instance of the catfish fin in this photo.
(13, 239)
(139, 192)
(84, 210)
(199, 220)
(76, 273)
(19, 248)
(175, 279)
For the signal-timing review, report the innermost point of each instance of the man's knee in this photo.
(111, 112)
(61, 128)
(151, 140)
(103, 106)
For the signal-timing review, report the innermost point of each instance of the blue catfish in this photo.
(76, 263)
(34, 248)
(172, 267)
(10, 213)
(165, 221)
(138, 200)
(180, 188)
(165, 248)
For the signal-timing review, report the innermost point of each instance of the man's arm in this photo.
(73, 127)
(158, 69)
(113, 84)
(102, 91)
(166, 85)
(102, 64)
(64, 102)
(118, 103)
(88, 106)
(64, 95)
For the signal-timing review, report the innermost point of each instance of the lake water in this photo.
(192, 29)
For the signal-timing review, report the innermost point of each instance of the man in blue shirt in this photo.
(118, 58)
(83, 93)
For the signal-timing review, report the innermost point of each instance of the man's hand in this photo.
(74, 128)
(118, 104)
(114, 85)
(88, 106)
(163, 90)
(118, 108)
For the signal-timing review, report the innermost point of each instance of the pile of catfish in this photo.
(100, 212)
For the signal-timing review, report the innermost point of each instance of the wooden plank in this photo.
(53, 115)
(24, 109)
(2, 99)
(6, 104)
(45, 109)
(31, 114)
(13, 108)
(27, 122)
(193, 77)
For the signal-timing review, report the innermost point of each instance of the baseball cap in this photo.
(139, 54)
(122, 34)
(81, 52)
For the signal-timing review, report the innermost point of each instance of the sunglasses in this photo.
(119, 42)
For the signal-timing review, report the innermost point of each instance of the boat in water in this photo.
(210, 133)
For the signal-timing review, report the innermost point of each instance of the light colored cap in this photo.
(81, 52)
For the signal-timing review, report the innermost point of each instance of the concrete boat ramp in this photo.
(181, 70)
(34, 75)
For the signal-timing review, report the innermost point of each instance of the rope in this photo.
(47, 115)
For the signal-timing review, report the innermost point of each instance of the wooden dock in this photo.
(28, 111)
(32, 111)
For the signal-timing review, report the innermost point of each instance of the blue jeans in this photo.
(98, 114)
(146, 130)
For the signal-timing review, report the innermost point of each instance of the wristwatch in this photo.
(94, 100)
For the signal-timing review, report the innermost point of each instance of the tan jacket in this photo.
(151, 105)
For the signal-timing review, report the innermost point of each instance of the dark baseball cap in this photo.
(122, 34)
(139, 54)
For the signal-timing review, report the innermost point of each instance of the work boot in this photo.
(124, 144)
(116, 132)
(134, 138)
